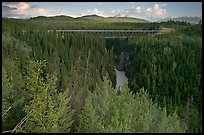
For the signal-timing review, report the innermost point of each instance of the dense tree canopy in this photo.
(66, 83)
(169, 67)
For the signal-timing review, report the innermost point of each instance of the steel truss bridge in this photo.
(111, 33)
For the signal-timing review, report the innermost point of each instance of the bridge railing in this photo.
(114, 31)
(110, 33)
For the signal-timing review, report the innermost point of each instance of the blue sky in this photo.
(144, 10)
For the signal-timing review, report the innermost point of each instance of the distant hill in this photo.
(127, 19)
(112, 19)
(39, 17)
(60, 17)
(91, 17)
(94, 18)
(193, 20)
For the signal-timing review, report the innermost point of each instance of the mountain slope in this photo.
(189, 19)
(127, 19)
(113, 19)
(91, 17)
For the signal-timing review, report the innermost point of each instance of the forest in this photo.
(66, 84)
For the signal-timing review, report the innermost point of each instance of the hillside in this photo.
(91, 17)
(84, 22)
(189, 19)
(113, 19)
(128, 19)
(60, 18)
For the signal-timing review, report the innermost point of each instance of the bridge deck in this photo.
(112, 31)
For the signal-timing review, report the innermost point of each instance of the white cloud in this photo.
(94, 11)
(118, 12)
(38, 11)
(16, 17)
(138, 10)
(156, 11)
(61, 13)
(162, 5)
(22, 6)
(114, 12)
(148, 10)
(100, 4)
(24, 9)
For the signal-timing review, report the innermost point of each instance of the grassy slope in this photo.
(66, 22)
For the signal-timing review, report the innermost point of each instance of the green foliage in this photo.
(50, 109)
(13, 83)
(59, 77)
(193, 30)
(6, 92)
(72, 58)
(167, 66)
(88, 119)
(60, 22)
(126, 113)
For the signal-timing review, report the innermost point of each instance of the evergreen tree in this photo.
(50, 109)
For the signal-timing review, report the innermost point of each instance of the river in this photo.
(120, 79)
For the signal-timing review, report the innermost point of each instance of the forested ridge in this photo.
(54, 83)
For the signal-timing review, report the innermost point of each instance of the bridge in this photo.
(111, 33)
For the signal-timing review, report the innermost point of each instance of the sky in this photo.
(143, 10)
